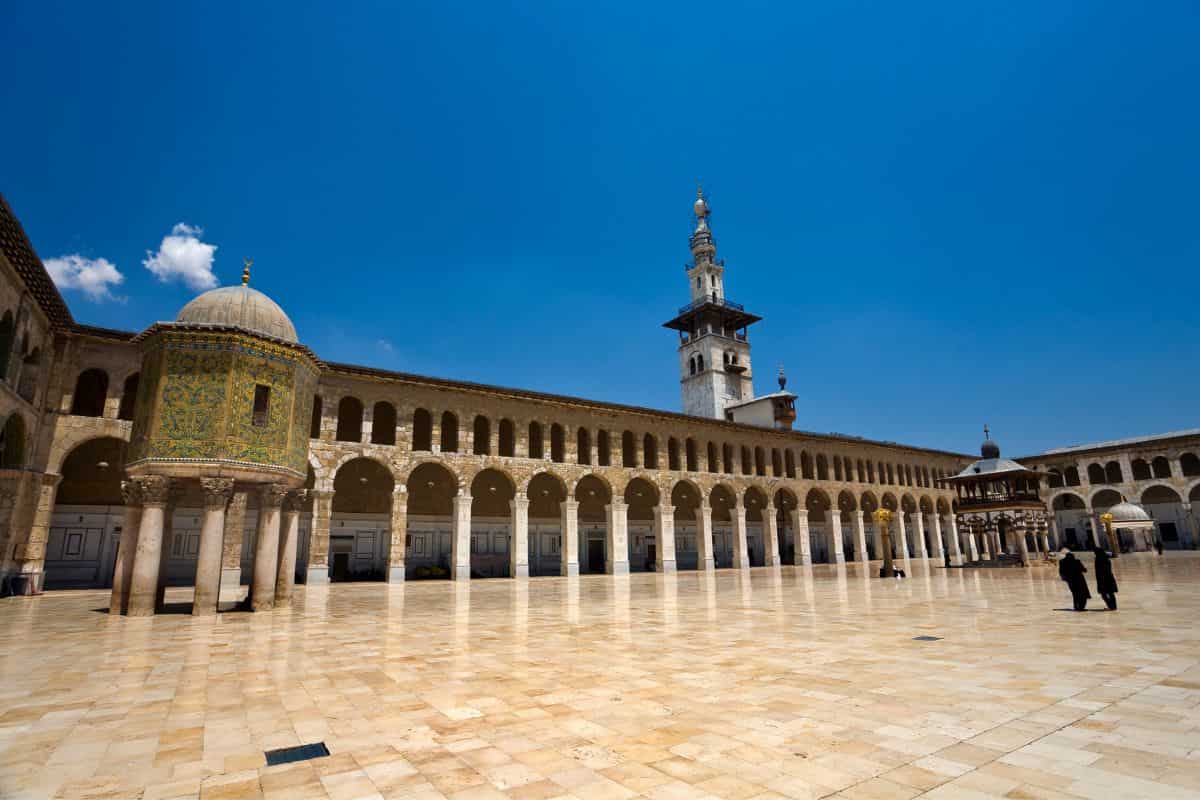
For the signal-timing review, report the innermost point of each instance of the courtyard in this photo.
(791, 682)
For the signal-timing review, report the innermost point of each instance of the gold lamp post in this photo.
(883, 521)
(1113, 545)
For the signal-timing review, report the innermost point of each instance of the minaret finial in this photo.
(782, 378)
(986, 432)
(247, 263)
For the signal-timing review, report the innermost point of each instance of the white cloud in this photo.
(182, 255)
(384, 345)
(92, 276)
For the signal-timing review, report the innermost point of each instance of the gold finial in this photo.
(247, 263)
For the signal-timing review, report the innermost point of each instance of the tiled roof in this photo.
(21, 255)
(1076, 448)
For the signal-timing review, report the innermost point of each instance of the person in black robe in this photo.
(1071, 570)
(1106, 584)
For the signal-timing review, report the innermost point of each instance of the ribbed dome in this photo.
(1125, 512)
(239, 307)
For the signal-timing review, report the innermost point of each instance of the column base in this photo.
(617, 567)
(317, 575)
(707, 565)
(956, 561)
(742, 563)
(22, 584)
(774, 562)
(569, 570)
(839, 558)
(460, 573)
(805, 561)
(396, 574)
(665, 567)
(520, 571)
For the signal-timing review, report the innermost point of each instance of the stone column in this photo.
(318, 541)
(1052, 528)
(616, 549)
(568, 529)
(32, 554)
(803, 543)
(860, 535)
(938, 552)
(126, 547)
(168, 538)
(956, 556)
(877, 535)
(231, 558)
(741, 551)
(143, 583)
(664, 538)
(212, 536)
(266, 547)
(985, 539)
(398, 534)
(1022, 546)
(771, 536)
(835, 533)
(1190, 521)
(704, 537)
(902, 535)
(460, 537)
(518, 550)
(919, 534)
(289, 535)
(972, 545)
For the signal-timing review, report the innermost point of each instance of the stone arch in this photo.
(925, 504)
(600, 478)
(481, 435)
(818, 504)
(789, 463)
(1071, 476)
(747, 461)
(650, 451)
(506, 438)
(1160, 467)
(691, 456)
(629, 458)
(92, 472)
(776, 463)
(723, 498)
(1068, 501)
(583, 446)
(806, 470)
(943, 507)
(349, 419)
(363, 485)
(12, 442)
(907, 503)
(314, 425)
(8, 333)
(346, 457)
(641, 496)
(889, 502)
(822, 467)
(1054, 478)
(1112, 472)
(603, 449)
(1189, 463)
(432, 485)
(129, 390)
(91, 391)
(760, 462)
(868, 502)
(1193, 491)
(422, 430)
(846, 503)
(1095, 473)
(1160, 493)
(1140, 468)
(672, 454)
(529, 486)
(1103, 498)
(755, 499)
(383, 423)
(727, 458)
(558, 443)
(449, 432)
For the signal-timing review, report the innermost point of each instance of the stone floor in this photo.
(787, 683)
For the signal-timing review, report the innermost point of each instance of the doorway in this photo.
(595, 556)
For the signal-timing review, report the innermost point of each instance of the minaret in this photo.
(714, 346)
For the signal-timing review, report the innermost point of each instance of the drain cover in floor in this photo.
(304, 752)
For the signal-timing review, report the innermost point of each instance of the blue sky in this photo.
(947, 213)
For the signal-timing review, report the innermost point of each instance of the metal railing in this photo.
(712, 300)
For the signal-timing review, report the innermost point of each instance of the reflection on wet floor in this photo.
(790, 682)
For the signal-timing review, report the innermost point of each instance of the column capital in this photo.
(51, 479)
(321, 495)
(801, 513)
(519, 502)
(616, 502)
(569, 505)
(130, 493)
(271, 495)
(400, 488)
(154, 490)
(217, 491)
(295, 499)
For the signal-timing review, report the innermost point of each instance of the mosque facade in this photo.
(217, 451)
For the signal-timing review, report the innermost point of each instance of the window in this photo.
(262, 405)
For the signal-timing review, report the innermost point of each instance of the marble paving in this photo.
(788, 683)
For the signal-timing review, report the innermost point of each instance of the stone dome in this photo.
(239, 307)
(1124, 513)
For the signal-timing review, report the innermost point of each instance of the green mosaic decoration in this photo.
(196, 400)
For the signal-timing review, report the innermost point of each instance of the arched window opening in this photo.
(7, 337)
(507, 439)
(583, 446)
(700, 363)
(806, 470)
(422, 433)
(12, 443)
(91, 389)
(481, 436)
(776, 463)
(1095, 473)
(713, 459)
(628, 450)
(789, 464)
(891, 476)
(837, 468)
(649, 451)
(31, 371)
(822, 467)
(692, 365)
(1161, 467)
(603, 451)
(129, 397)
(1141, 470)
(689, 454)
(1071, 476)
(314, 425)
(1112, 472)
(727, 458)
(673, 453)
(535, 440)
(1190, 464)
(383, 423)
(350, 419)
(449, 432)
(557, 443)
(760, 462)
(1054, 479)
(747, 461)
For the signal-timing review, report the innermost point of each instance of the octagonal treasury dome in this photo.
(239, 307)
(1129, 515)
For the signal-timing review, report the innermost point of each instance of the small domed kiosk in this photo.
(225, 399)
(1124, 516)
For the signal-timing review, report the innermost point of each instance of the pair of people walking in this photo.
(1071, 570)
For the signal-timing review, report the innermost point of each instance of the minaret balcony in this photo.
(711, 300)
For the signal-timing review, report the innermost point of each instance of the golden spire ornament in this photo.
(247, 263)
